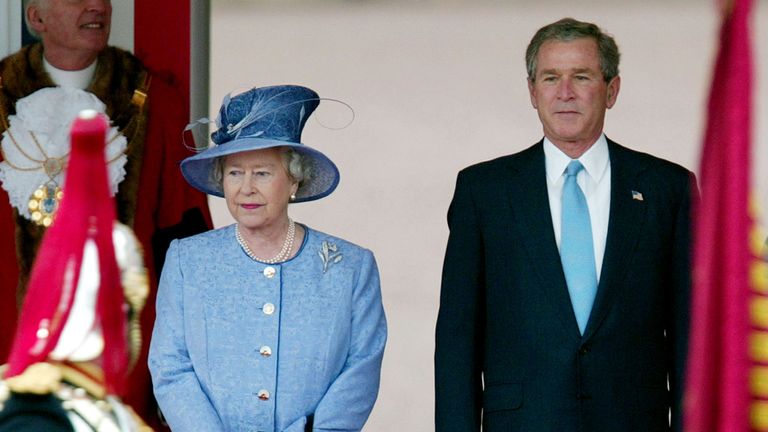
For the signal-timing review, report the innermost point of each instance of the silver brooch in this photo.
(329, 255)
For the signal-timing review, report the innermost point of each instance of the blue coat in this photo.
(243, 346)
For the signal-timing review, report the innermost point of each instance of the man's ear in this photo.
(532, 93)
(35, 19)
(613, 91)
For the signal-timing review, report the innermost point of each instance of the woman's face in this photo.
(257, 188)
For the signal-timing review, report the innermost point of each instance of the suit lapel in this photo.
(627, 214)
(528, 185)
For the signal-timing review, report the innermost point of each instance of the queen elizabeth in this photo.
(266, 324)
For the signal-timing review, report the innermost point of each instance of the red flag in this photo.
(720, 361)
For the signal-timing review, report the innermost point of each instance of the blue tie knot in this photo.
(573, 168)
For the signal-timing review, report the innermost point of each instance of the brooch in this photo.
(329, 255)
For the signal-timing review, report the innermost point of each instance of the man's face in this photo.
(75, 26)
(570, 94)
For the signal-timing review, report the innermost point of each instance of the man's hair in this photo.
(569, 29)
(26, 4)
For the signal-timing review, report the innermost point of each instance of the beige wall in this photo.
(437, 86)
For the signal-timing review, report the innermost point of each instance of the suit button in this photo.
(584, 350)
(269, 272)
(263, 395)
(268, 308)
(265, 351)
(584, 396)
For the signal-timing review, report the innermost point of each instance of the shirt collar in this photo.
(595, 160)
(79, 79)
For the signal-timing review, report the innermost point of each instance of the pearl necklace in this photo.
(281, 256)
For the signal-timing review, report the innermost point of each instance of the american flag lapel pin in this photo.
(637, 195)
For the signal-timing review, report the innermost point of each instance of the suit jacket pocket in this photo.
(652, 398)
(500, 397)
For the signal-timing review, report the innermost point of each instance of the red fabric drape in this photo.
(9, 274)
(162, 42)
(717, 391)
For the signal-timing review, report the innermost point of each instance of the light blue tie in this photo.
(577, 253)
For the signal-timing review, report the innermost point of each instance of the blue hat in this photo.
(263, 118)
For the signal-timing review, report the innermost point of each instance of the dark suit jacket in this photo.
(508, 349)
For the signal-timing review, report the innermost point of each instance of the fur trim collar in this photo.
(117, 78)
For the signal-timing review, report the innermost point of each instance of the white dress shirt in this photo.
(594, 180)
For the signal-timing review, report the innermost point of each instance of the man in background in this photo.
(564, 300)
(152, 197)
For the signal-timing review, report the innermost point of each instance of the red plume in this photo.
(86, 212)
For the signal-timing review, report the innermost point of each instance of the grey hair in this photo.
(569, 29)
(297, 165)
(26, 5)
(217, 172)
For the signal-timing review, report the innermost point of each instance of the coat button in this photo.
(263, 395)
(268, 308)
(269, 272)
(584, 350)
(265, 351)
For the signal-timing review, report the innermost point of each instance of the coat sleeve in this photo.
(350, 398)
(460, 321)
(182, 400)
(678, 316)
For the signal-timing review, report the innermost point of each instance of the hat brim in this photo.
(323, 179)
